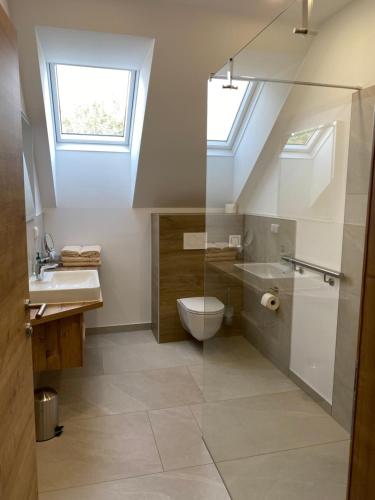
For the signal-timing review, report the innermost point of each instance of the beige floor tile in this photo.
(98, 449)
(121, 338)
(162, 388)
(178, 438)
(318, 472)
(244, 377)
(265, 424)
(126, 392)
(197, 411)
(108, 354)
(222, 350)
(198, 483)
(120, 359)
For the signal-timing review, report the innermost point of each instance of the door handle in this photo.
(28, 330)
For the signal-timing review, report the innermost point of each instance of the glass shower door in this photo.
(278, 377)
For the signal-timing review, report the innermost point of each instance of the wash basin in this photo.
(271, 270)
(65, 287)
(267, 270)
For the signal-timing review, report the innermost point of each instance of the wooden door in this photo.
(362, 473)
(18, 477)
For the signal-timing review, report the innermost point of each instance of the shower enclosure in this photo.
(289, 155)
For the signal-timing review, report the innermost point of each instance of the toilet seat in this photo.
(202, 305)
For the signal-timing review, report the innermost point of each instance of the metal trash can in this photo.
(46, 403)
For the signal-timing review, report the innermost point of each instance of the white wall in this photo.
(125, 275)
(94, 206)
(266, 110)
(219, 181)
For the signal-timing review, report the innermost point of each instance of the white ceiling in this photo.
(262, 8)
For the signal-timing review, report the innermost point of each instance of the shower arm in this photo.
(304, 29)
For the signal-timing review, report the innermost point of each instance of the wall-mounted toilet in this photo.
(201, 316)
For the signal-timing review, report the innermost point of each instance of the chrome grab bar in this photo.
(328, 274)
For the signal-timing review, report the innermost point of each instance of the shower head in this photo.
(230, 77)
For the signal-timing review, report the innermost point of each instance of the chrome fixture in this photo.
(41, 265)
(306, 10)
(329, 276)
(288, 82)
(230, 85)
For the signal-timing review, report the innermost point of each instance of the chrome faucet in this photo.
(41, 265)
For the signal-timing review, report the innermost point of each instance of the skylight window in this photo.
(300, 138)
(306, 143)
(92, 105)
(225, 111)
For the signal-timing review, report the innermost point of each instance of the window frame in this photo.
(226, 146)
(86, 139)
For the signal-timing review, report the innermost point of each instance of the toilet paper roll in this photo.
(270, 301)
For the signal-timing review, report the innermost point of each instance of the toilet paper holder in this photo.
(271, 299)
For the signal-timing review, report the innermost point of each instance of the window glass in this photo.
(224, 106)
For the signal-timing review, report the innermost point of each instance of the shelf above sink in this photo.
(60, 287)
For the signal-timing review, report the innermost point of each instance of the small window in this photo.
(301, 138)
(92, 105)
(226, 108)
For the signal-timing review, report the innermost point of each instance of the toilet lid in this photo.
(203, 305)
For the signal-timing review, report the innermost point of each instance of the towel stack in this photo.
(81, 256)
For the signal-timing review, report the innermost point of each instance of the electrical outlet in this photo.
(235, 240)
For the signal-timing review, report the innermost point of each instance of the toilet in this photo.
(201, 316)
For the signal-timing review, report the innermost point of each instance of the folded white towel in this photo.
(83, 263)
(71, 250)
(65, 258)
(90, 250)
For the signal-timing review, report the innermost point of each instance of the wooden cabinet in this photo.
(58, 337)
(59, 344)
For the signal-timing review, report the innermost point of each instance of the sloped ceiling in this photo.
(191, 42)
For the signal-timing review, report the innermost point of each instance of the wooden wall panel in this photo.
(181, 271)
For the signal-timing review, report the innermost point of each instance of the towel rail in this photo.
(329, 275)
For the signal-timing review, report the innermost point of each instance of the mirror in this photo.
(29, 199)
(28, 173)
(49, 245)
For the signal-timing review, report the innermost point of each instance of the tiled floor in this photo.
(134, 415)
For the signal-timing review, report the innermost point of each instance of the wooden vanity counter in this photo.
(59, 335)
(58, 311)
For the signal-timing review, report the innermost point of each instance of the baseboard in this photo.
(327, 407)
(118, 328)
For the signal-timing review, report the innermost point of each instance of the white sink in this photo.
(270, 270)
(66, 286)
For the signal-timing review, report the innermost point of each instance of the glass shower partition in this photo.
(285, 250)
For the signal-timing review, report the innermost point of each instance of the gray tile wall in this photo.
(261, 245)
(220, 226)
(269, 331)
